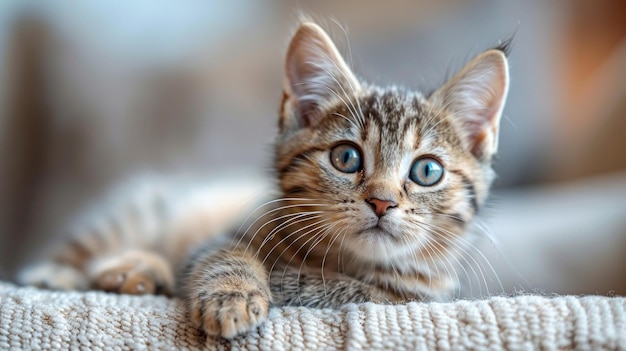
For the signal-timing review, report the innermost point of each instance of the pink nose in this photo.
(380, 206)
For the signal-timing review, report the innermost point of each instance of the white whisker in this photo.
(274, 210)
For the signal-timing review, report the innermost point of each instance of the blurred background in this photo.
(94, 92)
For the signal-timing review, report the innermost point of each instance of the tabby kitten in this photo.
(378, 188)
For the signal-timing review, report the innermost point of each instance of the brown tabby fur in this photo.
(322, 242)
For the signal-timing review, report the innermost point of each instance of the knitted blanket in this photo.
(39, 319)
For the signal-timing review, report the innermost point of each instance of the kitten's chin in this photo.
(379, 245)
(375, 234)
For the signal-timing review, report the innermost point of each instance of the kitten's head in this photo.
(392, 172)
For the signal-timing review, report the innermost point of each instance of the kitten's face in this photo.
(392, 174)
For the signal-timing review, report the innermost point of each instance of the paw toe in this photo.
(110, 280)
(211, 326)
(138, 283)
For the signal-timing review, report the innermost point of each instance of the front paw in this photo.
(229, 312)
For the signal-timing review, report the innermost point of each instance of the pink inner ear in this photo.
(476, 97)
(480, 120)
(304, 80)
(479, 140)
(315, 74)
(482, 130)
(309, 113)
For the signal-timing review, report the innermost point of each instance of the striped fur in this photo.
(320, 243)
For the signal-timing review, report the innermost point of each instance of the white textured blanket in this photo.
(38, 319)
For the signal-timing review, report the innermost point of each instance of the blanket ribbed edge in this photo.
(39, 319)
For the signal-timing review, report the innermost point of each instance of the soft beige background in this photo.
(94, 92)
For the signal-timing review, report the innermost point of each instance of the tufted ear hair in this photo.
(315, 76)
(475, 97)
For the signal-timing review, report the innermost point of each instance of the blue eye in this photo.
(426, 171)
(346, 158)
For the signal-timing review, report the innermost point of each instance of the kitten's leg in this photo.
(149, 215)
(227, 291)
(66, 269)
(99, 253)
(133, 272)
(54, 276)
(295, 287)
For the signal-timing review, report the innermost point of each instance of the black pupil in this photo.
(427, 169)
(347, 155)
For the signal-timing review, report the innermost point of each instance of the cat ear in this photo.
(315, 76)
(476, 97)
